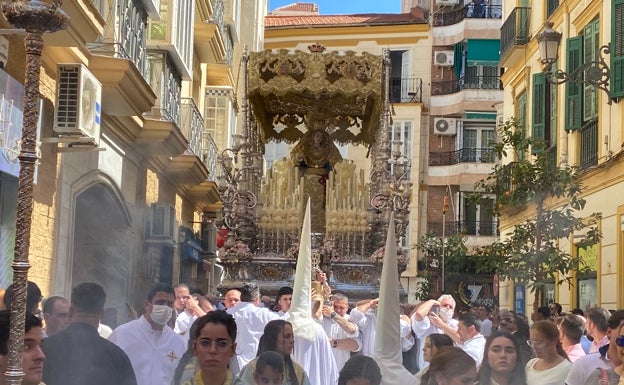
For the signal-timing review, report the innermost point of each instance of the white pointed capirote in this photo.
(301, 308)
(387, 337)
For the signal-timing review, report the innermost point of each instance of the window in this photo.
(216, 116)
(591, 44)
(478, 219)
(477, 141)
(617, 48)
(586, 283)
(551, 6)
(538, 128)
(402, 131)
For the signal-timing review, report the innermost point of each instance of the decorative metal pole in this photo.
(36, 18)
(445, 209)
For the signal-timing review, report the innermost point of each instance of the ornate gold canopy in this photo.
(291, 93)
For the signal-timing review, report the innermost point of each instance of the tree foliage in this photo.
(534, 182)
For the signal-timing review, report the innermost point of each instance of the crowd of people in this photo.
(185, 338)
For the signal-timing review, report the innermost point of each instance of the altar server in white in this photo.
(312, 348)
(387, 351)
(153, 348)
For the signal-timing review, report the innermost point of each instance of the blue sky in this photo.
(337, 7)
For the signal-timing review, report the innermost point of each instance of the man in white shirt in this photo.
(250, 322)
(231, 298)
(342, 333)
(473, 342)
(486, 322)
(284, 300)
(152, 347)
(425, 321)
(190, 311)
(364, 315)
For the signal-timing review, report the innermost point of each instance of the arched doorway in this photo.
(103, 244)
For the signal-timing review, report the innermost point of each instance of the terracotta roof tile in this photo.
(275, 21)
(298, 8)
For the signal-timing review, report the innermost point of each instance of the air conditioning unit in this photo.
(162, 222)
(444, 58)
(447, 2)
(78, 102)
(444, 126)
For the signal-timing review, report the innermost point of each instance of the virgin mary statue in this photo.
(315, 155)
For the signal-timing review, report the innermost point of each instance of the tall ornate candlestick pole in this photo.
(36, 18)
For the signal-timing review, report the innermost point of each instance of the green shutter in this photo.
(521, 105)
(539, 107)
(574, 92)
(617, 48)
(590, 53)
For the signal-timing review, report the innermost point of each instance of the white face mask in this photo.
(446, 314)
(161, 314)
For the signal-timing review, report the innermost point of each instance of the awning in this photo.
(483, 52)
(190, 246)
(481, 115)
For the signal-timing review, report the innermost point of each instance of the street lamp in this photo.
(36, 17)
(595, 72)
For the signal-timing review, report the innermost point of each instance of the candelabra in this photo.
(390, 177)
(36, 17)
(238, 182)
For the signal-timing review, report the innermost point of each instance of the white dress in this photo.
(552, 376)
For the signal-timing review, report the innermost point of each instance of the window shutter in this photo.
(617, 48)
(521, 113)
(590, 53)
(573, 91)
(539, 107)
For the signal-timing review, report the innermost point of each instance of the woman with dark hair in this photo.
(360, 370)
(550, 365)
(212, 343)
(433, 342)
(450, 366)
(278, 337)
(503, 362)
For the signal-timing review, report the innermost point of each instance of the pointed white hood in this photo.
(301, 308)
(387, 337)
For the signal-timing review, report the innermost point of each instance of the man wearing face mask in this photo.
(153, 347)
(435, 317)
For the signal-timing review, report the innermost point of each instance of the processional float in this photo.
(313, 100)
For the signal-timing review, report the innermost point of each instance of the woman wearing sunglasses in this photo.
(619, 342)
(550, 365)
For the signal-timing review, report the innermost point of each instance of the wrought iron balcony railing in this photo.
(166, 83)
(192, 125)
(465, 155)
(481, 82)
(515, 30)
(589, 144)
(466, 227)
(209, 156)
(406, 90)
(469, 11)
(125, 34)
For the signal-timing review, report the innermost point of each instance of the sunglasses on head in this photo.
(620, 341)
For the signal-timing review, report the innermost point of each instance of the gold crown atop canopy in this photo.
(316, 47)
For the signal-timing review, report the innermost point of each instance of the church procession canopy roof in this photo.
(339, 92)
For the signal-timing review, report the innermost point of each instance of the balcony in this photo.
(465, 227)
(166, 83)
(172, 33)
(213, 43)
(192, 126)
(469, 11)
(465, 155)
(589, 144)
(210, 154)
(405, 90)
(515, 33)
(84, 26)
(477, 82)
